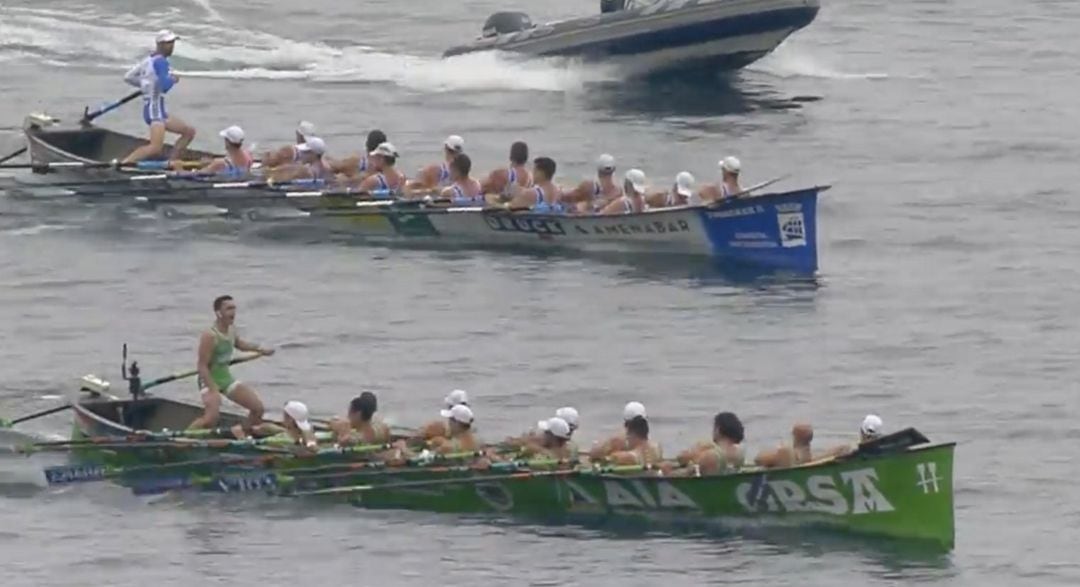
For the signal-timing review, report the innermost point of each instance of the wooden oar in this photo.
(193, 372)
(757, 187)
(89, 116)
(42, 166)
(35, 415)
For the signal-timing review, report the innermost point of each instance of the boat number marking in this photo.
(928, 477)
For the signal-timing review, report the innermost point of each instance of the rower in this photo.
(633, 200)
(298, 428)
(724, 454)
(359, 166)
(593, 195)
(311, 165)
(437, 175)
(787, 456)
(680, 194)
(216, 346)
(544, 196)
(438, 428)
(500, 181)
(554, 442)
(459, 435)
(639, 450)
(871, 429)
(361, 426)
(729, 182)
(290, 153)
(464, 191)
(151, 75)
(237, 160)
(536, 435)
(618, 442)
(385, 179)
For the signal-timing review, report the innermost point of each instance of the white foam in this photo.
(217, 50)
(786, 61)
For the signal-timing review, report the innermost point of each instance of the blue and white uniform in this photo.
(458, 195)
(151, 75)
(541, 204)
(444, 175)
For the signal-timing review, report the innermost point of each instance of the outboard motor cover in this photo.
(502, 23)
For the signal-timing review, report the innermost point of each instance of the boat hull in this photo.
(665, 36)
(906, 496)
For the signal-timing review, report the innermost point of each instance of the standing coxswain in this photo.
(215, 351)
(153, 78)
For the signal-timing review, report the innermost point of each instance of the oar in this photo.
(35, 415)
(82, 473)
(177, 444)
(43, 166)
(89, 116)
(757, 187)
(11, 156)
(193, 372)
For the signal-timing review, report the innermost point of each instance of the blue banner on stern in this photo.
(774, 230)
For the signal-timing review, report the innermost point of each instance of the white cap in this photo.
(456, 397)
(605, 162)
(730, 164)
(298, 411)
(384, 149)
(313, 144)
(454, 143)
(569, 414)
(165, 36)
(684, 184)
(636, 177)
(461, 413)
(633, 410)
(234, 134)
(305, 129)
(556, 426)
(871, 426)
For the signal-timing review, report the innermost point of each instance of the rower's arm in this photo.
(425, 180)
(161, 70)
(495, 182)
(656, 199)
(251, 347)
(206, 348)
(770, 458)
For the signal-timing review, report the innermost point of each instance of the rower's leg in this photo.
(211, 412)
(186, 132)
(246, 397)
(154, 148)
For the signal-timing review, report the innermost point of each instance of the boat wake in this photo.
(214, 49)
(787, 61)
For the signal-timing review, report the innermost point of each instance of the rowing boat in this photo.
(775, 231)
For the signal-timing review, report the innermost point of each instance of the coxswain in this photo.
(385, 179)
(237, 160)
(554, 441)
(633, 200)
(797, 453)
(359, 166)
(544, 195)
(311, 165)
(639, 450)
(723, 454)
(729, 181)
(459, 435)
(153, 78)
(437, 175)
(290, 153)
(592, 195)
(216, 346)
(500, 181)
(361, 426)
(680, 194)
(464, 190)
(618, 442)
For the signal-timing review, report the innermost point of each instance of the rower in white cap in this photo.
(437, 175)
(554, 441)
(298, 427)
(618, 442)
(535, 435)
(437, 428)
(459, 437)
(385, 179)
(311, 165)
(635, 184)
(592, 195)
(290, 153)
(152, 76)
(237, 160)
(729, 181)
(680, 194)
(871, 429)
